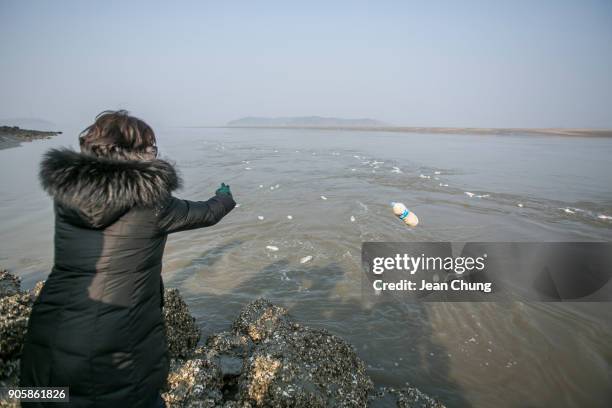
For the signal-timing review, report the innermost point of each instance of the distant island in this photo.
(13, 136)
(323, 123)
(304, 121)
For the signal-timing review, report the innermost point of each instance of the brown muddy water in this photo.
(466, 354)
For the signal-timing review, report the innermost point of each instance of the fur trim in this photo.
(85, 181)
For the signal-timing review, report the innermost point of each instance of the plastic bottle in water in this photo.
(405, 214)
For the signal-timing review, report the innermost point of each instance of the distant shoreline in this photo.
(600, 133)
(13, 136)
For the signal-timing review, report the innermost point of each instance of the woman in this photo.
(97, 325)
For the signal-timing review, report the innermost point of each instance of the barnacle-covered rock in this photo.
(9, 284)
(35, 291)
(230, 342)
(14, 314)
(311, 368)
(182, 333)
(260, 319)
(294, 365)
(196, 382)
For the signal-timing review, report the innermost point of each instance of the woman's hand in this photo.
(224, 189)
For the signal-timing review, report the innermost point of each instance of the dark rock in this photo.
(230, 365)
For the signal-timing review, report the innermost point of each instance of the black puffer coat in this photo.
(97, 326)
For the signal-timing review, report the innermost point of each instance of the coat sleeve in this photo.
(181, 215)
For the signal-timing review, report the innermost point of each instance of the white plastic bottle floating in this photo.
(272, 248)
(323, 197)
(260, 217)
(469, 194)
(290, 217)
(521, 205)
(352, 218)
(405, 215)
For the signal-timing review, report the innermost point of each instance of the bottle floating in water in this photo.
(405, 214)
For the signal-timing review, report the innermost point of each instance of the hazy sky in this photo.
(510, 63)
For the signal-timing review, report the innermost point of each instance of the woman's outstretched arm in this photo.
(181, 215)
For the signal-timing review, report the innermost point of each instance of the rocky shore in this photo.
(264, 360)
(13, 136)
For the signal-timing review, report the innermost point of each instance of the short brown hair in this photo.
(117, 135)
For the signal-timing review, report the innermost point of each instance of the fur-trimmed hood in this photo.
(101, 189)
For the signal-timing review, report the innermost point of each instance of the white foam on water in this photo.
(396, 170)
(357, 157)
(272, 248)
(443, 185)
(436, 178)
(520, 205)
(261, 186)
(483, 196)
(424, 176)
(305, 259)
(365, 207)
(323, 197)
(352, 218)
(353, 169)
(467, 193)
(248, 168)
(271, 187)
(568, 210)
(604, 217)
(437, 172)
(237, 205)
(260, 217)
(277, 186)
